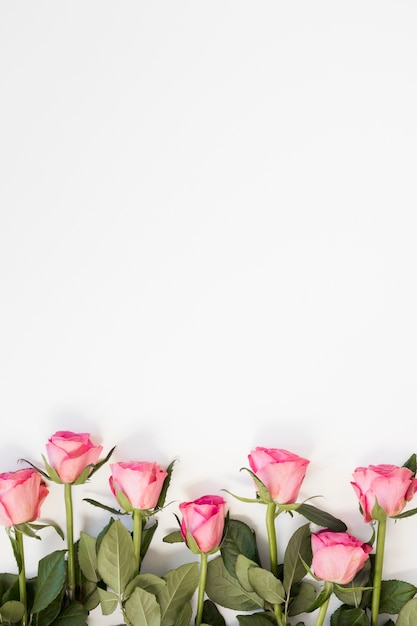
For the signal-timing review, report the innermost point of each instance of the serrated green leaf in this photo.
(346, 616)
(108, 601)
(243, 564)
(298, 545)
(116, 558)
(90, 595)
(303, 595)
(266, 585)
(224, 589)
(142, 609)
(181, 585)
(12, 611)
(394, 594)
(73, 615)
(51, 612)
(212, 615)
(149, 582)
(184, 616)
(50, 580)
(87, 557)
(239, 539)
(321, 518)
(408, 614)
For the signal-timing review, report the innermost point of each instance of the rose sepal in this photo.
(105, 507)
(264, 495)
(99, 464)
(378, 513)
(405, 514)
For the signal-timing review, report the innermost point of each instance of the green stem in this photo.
(273, 553)
(323, 609)
(22, 576)
(379, 560)
(70, 540)
(137, 535)
(201, 588)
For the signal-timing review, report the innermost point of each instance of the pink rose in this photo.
(280, 471)
(21, 496)
(203, 519)
(140, 482)
(70, 453)
(338, 557)
(390, 485)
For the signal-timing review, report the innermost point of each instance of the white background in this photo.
(207, 243)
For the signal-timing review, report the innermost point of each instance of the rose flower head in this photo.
(137, 484)
(72, 455)
(202, 523)
(281, 472)
(338, 556)
(390, 486)
(21, 496)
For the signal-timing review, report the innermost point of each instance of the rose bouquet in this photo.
(321, 562)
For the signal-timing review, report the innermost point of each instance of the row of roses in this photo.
(324, 549)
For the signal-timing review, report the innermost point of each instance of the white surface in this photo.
(207, 243)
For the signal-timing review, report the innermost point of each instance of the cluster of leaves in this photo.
(111, 580)
(46, 598)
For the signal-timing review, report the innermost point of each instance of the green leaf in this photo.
(116, 559)
(147, 536)
(224, 589)
(89, 595)
(303, 595)
(149, 582)
(266, 585)
(212, 615)
(239, 539)
(408, 614)
(12, 611)
(243, 564)
(50, 581)
(181, 585)
(108, 601)
(51, 612)
(184, 616)
(345, 616)
(87, 557)
(142, 609)
(321, 518)
(7, 583)
(73, 615)
(298, 545)
(394, 594)
(258, 619)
